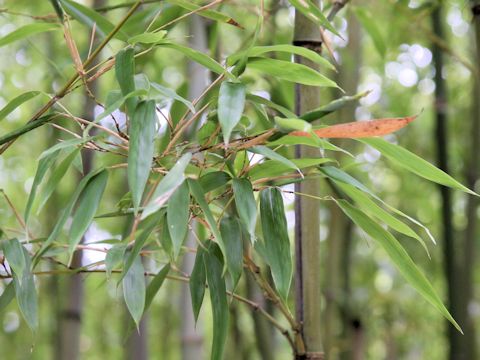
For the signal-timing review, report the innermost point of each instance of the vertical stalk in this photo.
(307, 227)
(441, 136)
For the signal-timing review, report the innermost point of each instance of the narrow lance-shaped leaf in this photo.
(218, 299)
(134, 289)
(166, 187)
(13, 251)
(197, 282)
(171, 94)
(231, 102)
(155, 285)
(232, 236)
(141, 149)
(26, 293)
(286, 70)
(208, 13)
(16, 102)
(415, 164)
(124, 72)
(26, 31)
(199, 195)
(177, 216)
(269, 153)
(246, 205)
(7, 296)
(313, 12)
(114, 258)
(56, 176)
(87, 207)
(399, 256)
(360, 129)
(148, 37)
(277, 244)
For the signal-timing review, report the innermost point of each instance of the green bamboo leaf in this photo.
(65, 214)
(13, 251)
(58, 9)
(155, 285)
(232, 236)
(307, 141)
(292, 124)
(114, 258)
(26, 294)
(291, 49)
(113, 104)
(272, 169)
(370, 25)
(370, 207)
(90, 18)
(56, 176)
(414, 163)
(26, 31)
(197, 282)
(125, 72)
(289, 71)
(199, 195)
(207, 13)
(171, 94)
(272, 155)
(166, 187)
(44, 164)
(178, 214)
(262, 101)
(198, 57)
(312, 12)
(7, 296)
(141, 149)
(231, 103)
(214, 180)
(148, 226)
(16, 102)
(86, 209)
(134, 290)
(218, 299)
(29, 126)
(246, 205)
(148, 37)
(166, 240)
(277, 244)
(335, 105)
(399, 256)
(66, 144)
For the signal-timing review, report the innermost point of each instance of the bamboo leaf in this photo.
(277, 244)
(231, 103)
(213, 180)
(272, 155)
(86, 209)
(166, 187)
(312, 12)
(26, 31)
(134, 289)
(125, 74)
(148, 37)
(198, 57)
(399, 256)
(197, 282)
(155, 285)
(171, 94)
(141, 149)
(90, 18)
(114, 258)
(7, 296)
(232, 236)
(29, 126)
(13, 251)
(272, 169)
(218, 299)
(246, 205)
(289, 71)
(291, 124)
(56, 176)
(360, 129)
(178, 214)
(16, 102)
(26, 294)
(291, 49)
(199, 195)
(415, 164)
(207, 13)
